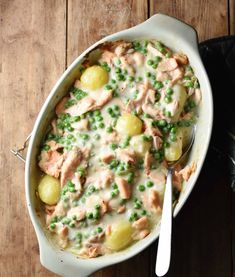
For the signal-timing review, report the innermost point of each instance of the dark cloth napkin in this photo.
(218, 56)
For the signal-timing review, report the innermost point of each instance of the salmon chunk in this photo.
(124, 188)
(70, 164)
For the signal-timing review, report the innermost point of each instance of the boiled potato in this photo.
(94, 77)
(120, 237)
(139, 145)
(186, 135)
(180, 95)
(174, 151)
(49, 190)
(129, 125)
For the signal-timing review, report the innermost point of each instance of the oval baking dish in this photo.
(180, 37)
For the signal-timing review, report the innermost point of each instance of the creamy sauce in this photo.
(109, 144)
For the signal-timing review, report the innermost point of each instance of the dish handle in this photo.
(178, 29)
(18, 152)
(62, 263)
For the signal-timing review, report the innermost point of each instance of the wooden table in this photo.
(39, 39)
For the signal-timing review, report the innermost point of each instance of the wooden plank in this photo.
(32, 57)
(89, 21)
(232, 16)
(209, 17)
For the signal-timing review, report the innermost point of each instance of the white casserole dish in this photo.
(179, 37)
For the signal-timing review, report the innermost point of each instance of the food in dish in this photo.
(105, 156)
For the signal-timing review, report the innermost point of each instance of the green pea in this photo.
(150, 62)
(162, 123)
(99, 230)
(107, 87)
(192, 104)
(160, 47)
(79, 235)
(141, 188)
(173, 137)
(189, 84)
(169, 91)
(101, 125)
(154, 66)
(173, 130)
(148, 74)
(72, 224)
(90, 216)
(149, 184)
(109, 129)
(122, 201)
(130, 177)
(113, 164)
(66, 221)
(146, 138)
(97, 112)
(168, 55)
(114, 193)
(126, 142)
(72, 189)
(131, 78)
(118, 70)
(96, 214)
(158, 85)
(157, 59)
(121, 77)
(54, 219)
(113, 146)
(116, 108)
(99, 118)
(70, 129)
(166, 144)
(133, 217)
(168, 113)
(77, 118)
(144, 212)
(137, 205)
(157, 156)
(168, 99)
(46, 147)
(52, 226)
(86, 137)
(109, 110)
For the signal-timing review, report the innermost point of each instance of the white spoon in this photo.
(164, 243)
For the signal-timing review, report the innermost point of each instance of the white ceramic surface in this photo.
(178, 36)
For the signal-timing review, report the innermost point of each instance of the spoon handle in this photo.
(164, 244)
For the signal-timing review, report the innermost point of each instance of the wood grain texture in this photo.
(89, 21)
(232, 16)
(39, 38)
(32, 57)
(209, 18)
